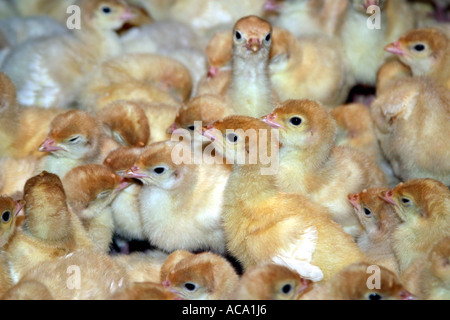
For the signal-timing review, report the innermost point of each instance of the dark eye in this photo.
(190, 286)
(106, 10)
(6, 216)
(296, 121)
(159, 170)
(405, 200)
(232, 137)
(367, 212)
(286, 288)
(419, 47)
(268, 37)
(191, 127)
(74, 139)
(374, 296)
(238, 35)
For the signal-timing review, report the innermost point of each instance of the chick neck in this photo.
(250, 87)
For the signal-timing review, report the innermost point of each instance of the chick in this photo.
(170, 262)
(352, 284)
(198, 111)
(9, 210)
(144, 291)
(297, 65)
(271, 282)
(426, 52)
(187, 50)
(34, 66)
(379, 221)
(28, 290)
(90, 191)
(302, 17)
(80, 275)
(204, 276)
(142, 266)
(265, 225)
(50, 229)
(181, 200)
(311, 164)
(250, 90)
(74, 138)
(128, 221)
(126, 123)
(356, 129)
(147, 77)
(389, 72)
(409, 104)
(21, 129)
(435, 277)
(423, 206)
(363, 45)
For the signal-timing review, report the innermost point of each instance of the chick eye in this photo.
(405, 200)
(268, 37)
(6, 216)
(367, 212)
(238, 35)
(74, 139)
(296, 121)
(191, 127)
(232, 137)
(419, 47)
(106, 10)
(103, 194)
(189, 286)
(286, 288)
(374, 296)
(159, 170)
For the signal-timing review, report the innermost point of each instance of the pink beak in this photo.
(388, 198)
(128, 15)
(395, 48)
(253, 44)
(353, 198)
(272, 5)
(305, 285)
(134, 172)
(270, 120)
(172, 128)
(166, 284)
(19, 207)
(213, 72)
(405, 295)
(123, 184)
(369, 3)
(208, 133)
(49, 146)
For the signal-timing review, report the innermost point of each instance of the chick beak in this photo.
(405, 295)
(270, 120)
(127, 15)
(213, 72)
(49, 146)
(19, 207)
(369, 3)
(253, 44)
(123, 184)
(272, 5)
(395, 48)
(208, 133)
(305, 284)
(388, 197)
(134, 173)
(353, 198)
(172, 128)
